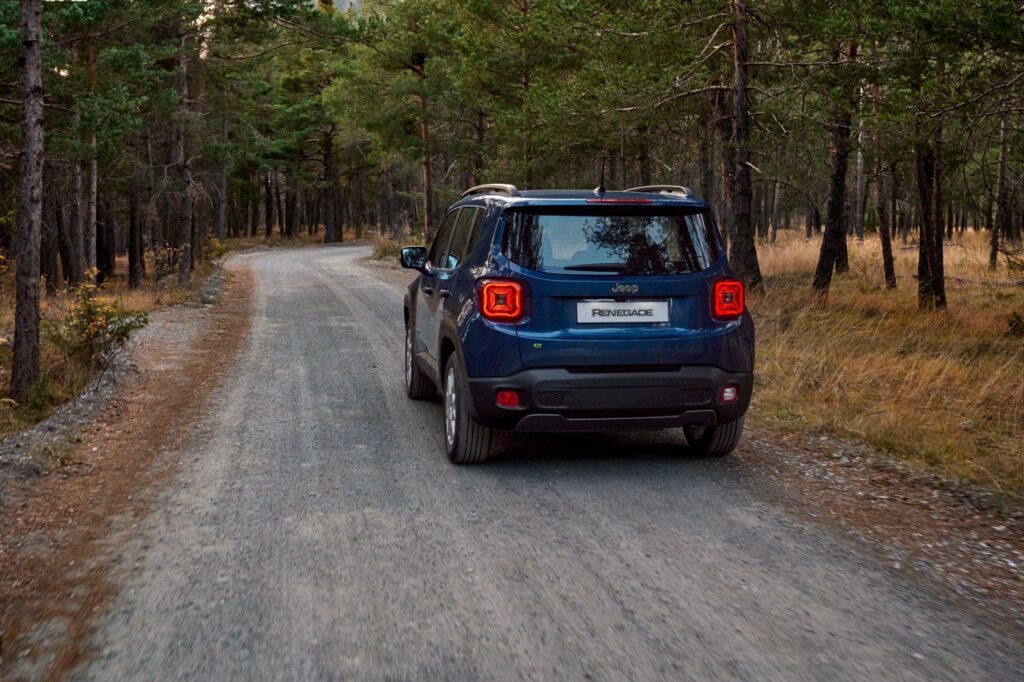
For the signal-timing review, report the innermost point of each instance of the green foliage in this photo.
(215, 248)
(91, 327)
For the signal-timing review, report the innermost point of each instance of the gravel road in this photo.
(317, 531)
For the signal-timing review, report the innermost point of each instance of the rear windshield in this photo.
(595, 242)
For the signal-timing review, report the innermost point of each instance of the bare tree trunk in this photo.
(833, 255)
(930, 277)
(64, 242)
(860, 187)
(135, 253)
(884, 234)
(89, 218)
(1003, 212)
(25, 367)
(775, 211)
(222, 205)
(428, 181)
(76, 271)
(183, 165)
(728, 165)
(480, 128)
(707, 164)
(744, 251)
(50, 245)
(268, 206)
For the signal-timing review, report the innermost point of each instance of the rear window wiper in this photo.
(597, 267)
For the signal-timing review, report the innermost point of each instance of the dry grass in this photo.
(945, 390)
(63, 378)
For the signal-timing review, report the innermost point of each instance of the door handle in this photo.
(428, 290)
(445, 293)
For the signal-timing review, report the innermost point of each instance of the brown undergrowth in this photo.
(79, 327)
(944, 390)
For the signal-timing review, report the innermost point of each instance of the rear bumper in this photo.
(556, 399)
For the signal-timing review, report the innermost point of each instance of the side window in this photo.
(440, 245)
(463, 237)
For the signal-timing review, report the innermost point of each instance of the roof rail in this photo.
(509, 190)
(663, 189)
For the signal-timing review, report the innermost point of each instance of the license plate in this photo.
(621, 312)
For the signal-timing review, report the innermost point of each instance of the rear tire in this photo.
(466, 440)
(418, 385)
(714, 441)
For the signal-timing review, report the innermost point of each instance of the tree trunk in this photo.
(833, 255)
(268, 206)
(478, 152)
(728, 166)
(25, 367)
(884, 234)
(222, 205)
(105, 244)
(76, 270)
(89, 216)
(50, 261)
(64, 243)
(930, 278)
(291, 208)
(1004, 215)
(428, 182)
(860, 185)
(135, 253)
(183, 165)
(744, 251)
(776, 192)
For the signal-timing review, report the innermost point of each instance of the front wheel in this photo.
(418, 385)
(714, 441)
(466, 441)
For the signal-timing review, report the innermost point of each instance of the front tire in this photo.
(714, 441)
(466, 440)
(418, 385)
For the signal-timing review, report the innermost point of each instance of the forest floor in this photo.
(941, 390)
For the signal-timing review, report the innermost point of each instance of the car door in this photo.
(448, 280)
(428, 299)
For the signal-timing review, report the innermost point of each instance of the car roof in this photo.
(577, 197)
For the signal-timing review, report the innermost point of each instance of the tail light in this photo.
(501, 300)
(507, 399)
(727, 300)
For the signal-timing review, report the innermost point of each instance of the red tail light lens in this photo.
(501, 300)
(507, 399)
(727, 301)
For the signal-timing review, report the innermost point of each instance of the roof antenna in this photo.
(600, 187)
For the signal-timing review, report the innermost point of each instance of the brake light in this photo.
(727, 299)
(500, 300)
(507, 399)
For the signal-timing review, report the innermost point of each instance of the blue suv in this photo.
(576, 310)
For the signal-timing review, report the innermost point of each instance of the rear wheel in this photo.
(418, 385)
(714, 441)
(466, 441)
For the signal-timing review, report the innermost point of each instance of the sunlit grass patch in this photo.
(945, 389)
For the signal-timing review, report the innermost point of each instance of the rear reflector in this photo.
(500, 300)
(727, 299)
(729, 394)
(508, 399)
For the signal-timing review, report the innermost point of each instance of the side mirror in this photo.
(414, 258)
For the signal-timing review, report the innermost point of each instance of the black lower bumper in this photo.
(559, 399)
